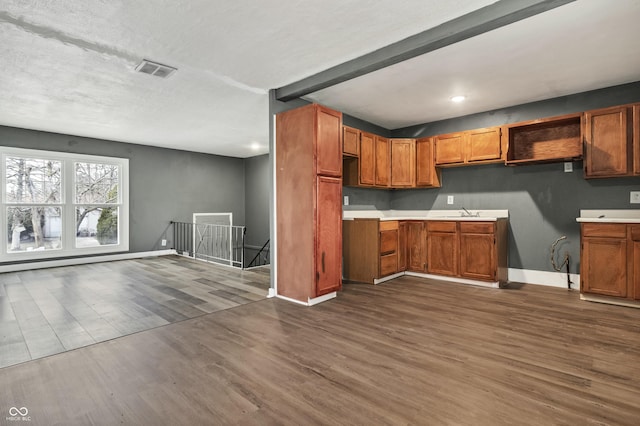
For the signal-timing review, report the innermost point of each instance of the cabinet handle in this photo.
(323, 262)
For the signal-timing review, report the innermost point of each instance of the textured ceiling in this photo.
(68, 67)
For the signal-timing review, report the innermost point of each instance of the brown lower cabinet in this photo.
(610, 260)
(370, 249)
(375, 249)
(416, 246)
(442, 248)
(402, 245)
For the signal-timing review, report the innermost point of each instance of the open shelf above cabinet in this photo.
(546, 140)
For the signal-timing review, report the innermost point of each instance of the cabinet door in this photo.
(402, 246)
(350, 141)
(603, 268)
(484, 144)
(383, 165)
(426, 173)
(328, 235)
(608, 142)
(367, 163)
(329, 143)
(477, 256)
(416, 247)
(634, 261)
(403, 163)
(636, 139)
(442, 248)
(450, 149)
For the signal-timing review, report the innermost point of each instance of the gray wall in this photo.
(367, 198)
(257, 194)
(543, 203)
(164, 184)
(611, 96)
(542, 200)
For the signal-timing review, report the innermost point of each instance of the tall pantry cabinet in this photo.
(309, 203)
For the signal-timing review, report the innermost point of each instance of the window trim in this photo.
(67, 205)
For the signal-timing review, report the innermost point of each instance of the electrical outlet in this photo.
(450, 199)
(163, 243)
(634, 197)
(568, 167)
(346, 200)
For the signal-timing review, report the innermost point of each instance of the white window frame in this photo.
(68, 205)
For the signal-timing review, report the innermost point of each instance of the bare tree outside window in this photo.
(34, 188)
(33, 184)
(96, 189)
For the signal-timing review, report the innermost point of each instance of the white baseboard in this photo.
(289, 299)
(387, 278)
(610, 300)
(547, 278)
(82, 260)
(491, 284)
(272, 292)
(321, 299)
(310, 302)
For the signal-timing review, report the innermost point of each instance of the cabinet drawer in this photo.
(607, 230)
(388, 264)
(388, 225)
(441, 226)
(477, 227)
(388, 241)
(635, 232)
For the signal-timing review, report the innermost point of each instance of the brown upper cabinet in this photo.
(426, 173)
(329, 142)
(450, 149)
(388, 163)
(350, 141)
(608, 142)
(367, 163)
(636, 139)
(469, 147)
(383, 163)
(484, 145)
(403, 163)
(546, 140)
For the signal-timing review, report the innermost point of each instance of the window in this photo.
(58, 204)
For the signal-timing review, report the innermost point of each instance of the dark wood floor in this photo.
(48, 311)
(404, 352)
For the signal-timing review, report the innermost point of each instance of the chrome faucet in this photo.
(469, 214)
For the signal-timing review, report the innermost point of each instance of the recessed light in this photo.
(458, 98)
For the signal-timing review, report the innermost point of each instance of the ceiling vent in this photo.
(154, 68)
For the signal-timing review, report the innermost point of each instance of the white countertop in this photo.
(476, 215)
(610, 216)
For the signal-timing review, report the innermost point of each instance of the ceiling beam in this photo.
(496, 15)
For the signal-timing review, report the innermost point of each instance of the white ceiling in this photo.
(68, 67)
(581, 46)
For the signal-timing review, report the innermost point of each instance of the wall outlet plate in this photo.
(568, 167)
(449, 199)
(634, 198)
(163, 243)
(346, 200)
